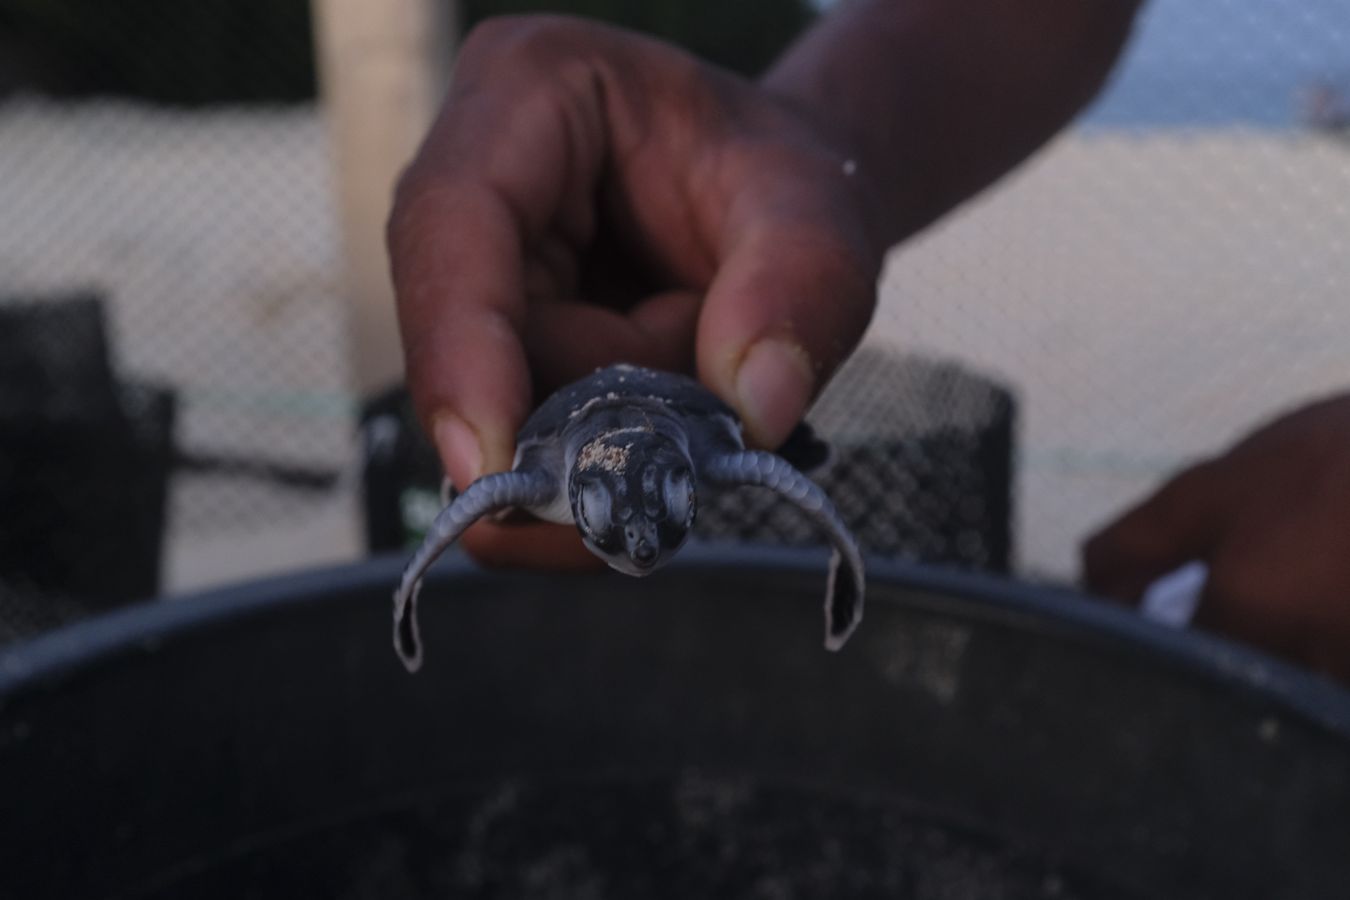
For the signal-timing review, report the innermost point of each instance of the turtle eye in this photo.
(594, 506)
(679, 497)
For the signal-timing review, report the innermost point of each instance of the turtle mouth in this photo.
(644, 556)
(622, 562)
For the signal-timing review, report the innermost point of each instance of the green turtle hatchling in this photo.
(621, 454)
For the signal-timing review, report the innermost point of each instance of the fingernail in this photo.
(459, 449)
(773, 386)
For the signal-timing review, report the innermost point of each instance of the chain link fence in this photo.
(208, 239)
(167, 164)
(1164, 275)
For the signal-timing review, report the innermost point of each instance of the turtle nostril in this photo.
(644, 554)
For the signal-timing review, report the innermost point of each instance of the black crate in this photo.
(84, 468)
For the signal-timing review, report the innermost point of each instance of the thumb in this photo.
(788, 305)
(1178, 524)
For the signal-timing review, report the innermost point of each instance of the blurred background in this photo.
(198, 366)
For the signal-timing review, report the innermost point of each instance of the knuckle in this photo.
(415, 194)
(515, 40)
(404, 213)
(493, 36)
(850, 276)
(833, 252)
(854, 265)
(411, 236)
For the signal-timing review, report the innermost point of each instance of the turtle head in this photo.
(632, 495)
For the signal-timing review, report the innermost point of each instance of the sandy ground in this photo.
(1149, 296)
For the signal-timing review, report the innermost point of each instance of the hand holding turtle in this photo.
(1271, 519)
(589, 196)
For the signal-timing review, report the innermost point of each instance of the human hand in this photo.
(1271, 519)
(588, 196)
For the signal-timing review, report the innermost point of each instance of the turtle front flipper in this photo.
(489, 494)
(844, 591)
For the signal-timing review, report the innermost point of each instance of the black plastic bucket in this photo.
(682, 736)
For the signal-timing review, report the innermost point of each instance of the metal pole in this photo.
(382, 69)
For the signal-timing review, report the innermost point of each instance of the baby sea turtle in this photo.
(621, 454)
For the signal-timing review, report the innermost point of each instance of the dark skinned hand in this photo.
(588, 195)
(1271, 519)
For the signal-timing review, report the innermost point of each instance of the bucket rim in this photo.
(47, 660)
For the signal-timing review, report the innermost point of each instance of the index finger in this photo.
(460, 300)
(505, 161)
